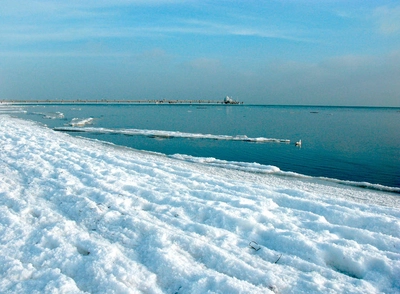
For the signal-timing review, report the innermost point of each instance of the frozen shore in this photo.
(82, 216)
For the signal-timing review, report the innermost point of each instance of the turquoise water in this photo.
(356, 144)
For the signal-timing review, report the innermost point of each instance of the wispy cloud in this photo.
(222, 28)
(388, 19)
(46, 6)
(212, 41)
(38, 21)
(61, 32)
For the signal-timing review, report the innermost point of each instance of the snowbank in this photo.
(83, 216)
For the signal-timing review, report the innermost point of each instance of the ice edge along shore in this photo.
(82, 216)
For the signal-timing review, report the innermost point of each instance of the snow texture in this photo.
(82, 216)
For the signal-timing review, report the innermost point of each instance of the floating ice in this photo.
(269, 169)
(80, 122)
(80, 216)
(51, 115)
(168, 134)
(7, 109)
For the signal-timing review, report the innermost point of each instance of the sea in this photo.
(349, 144)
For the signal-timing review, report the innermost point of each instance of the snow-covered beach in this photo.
(80, 216)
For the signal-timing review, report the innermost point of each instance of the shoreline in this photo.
(360, 182)
(80, 215)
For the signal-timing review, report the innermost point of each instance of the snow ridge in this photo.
(80, 216)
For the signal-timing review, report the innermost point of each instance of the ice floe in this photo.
(167, 134)
(51, 115)
(80, 122)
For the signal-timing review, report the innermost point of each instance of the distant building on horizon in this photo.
(229, 100)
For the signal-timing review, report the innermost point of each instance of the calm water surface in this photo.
(357, 144)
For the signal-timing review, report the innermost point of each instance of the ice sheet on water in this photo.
(169, 134)
(80, 216)
(260, 168)
(8, 109)
(81, 122)
(244, 166)
(50, 115)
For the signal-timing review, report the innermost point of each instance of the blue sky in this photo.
(330, 52)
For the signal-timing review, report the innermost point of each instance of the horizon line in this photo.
(169, 102)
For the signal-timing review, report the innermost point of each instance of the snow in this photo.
(79, 122)
(83, 216)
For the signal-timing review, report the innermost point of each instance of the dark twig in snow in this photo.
(278, 258)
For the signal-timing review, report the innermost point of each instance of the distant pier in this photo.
(107, 101)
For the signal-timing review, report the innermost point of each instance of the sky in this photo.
(290, 52)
